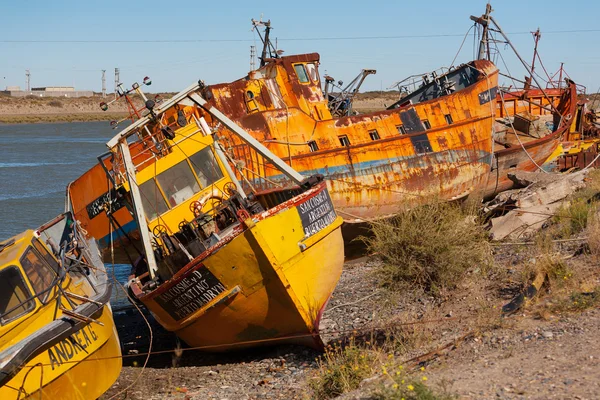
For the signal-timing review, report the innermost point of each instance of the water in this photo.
(37, 161)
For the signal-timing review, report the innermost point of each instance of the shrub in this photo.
(341, 369)
(55, 103)
(574, 217)
(593, 234)
(411, 390)
(430, 247)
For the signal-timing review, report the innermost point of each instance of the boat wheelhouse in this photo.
(220, 263)
(56, 326)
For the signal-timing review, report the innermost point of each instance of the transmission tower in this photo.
(103, 83)
(252, 58)
(28, 80)
(117, 80)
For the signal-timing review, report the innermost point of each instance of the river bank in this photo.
(24, 110)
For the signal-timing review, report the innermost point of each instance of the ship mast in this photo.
(487, 21)
(484, 43)
(266, 41)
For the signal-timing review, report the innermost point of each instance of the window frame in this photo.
(216, 163)
(374, 134)
(29, 299)
(198, 182)
(344, 138)
(449, 119)
(401, 129)
(303, 66)
(426, 124)
(312, 143)
(44, 294)
(313, 67)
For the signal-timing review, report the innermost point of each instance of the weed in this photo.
(574, 217)
(413, 390)
(341, 369)
(593, 234)
(400, 385)
(550, 263)
(582, 301)
(429, 247)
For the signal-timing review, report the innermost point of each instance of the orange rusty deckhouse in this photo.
(436, 142)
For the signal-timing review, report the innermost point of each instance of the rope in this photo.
(112, 255)
(461, 46)
(517, 136)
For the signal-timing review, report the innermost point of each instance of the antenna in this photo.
(103, 83)
(252, 58)
(28, 80)
(117, 81)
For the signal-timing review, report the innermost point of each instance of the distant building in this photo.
(47, 91)
(53, 89)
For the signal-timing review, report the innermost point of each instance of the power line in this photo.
(325, 38)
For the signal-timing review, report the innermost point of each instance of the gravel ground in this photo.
(527, 358)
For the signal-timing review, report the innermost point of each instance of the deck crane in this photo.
(340, 103)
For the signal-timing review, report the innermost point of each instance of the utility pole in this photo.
(103, 83)
(117, 81)
(252, 58)
(28, 80)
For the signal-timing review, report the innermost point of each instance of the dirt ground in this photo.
(534, 354)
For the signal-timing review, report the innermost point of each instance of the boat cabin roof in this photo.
(27, 272)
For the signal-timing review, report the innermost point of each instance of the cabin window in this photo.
(312, 145)
(15, 299)
(401, 129)
(251, 103)
(152, 199)
(426, 124)
(301, 73)
(42, 251)
(178, 183)
(374, 134)
(40, 274)
(206, 167)
(312, 72)
(344, 141)
(449, 120)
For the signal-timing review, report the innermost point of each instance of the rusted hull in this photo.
(525, 157)
(436, 146)
(376, 163)
(376, 192)
(517, 159)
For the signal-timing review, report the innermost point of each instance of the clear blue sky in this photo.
(173, 66)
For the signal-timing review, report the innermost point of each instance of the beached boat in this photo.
(436, 142)
(227, 265)
(57, 329)
(532, 121)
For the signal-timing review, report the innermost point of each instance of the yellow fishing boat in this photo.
(220, 264)
(56, 326)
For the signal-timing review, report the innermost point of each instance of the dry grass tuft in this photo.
(357, 363)
(341, 369)
(429, 247)
(573, 218)
(593, 235)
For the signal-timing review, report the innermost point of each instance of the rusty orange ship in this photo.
(435, 142)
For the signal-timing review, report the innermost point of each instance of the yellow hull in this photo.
(275, 284)
(67, 371)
